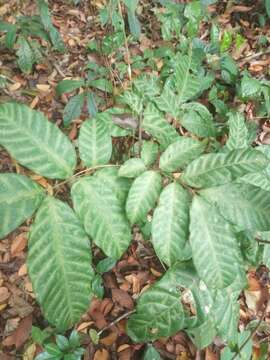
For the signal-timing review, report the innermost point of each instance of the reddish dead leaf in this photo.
(4, 294)
(18, 244)
(101, 355)
(20, 335)
(210, 355)
(122, 298)
(109, 340)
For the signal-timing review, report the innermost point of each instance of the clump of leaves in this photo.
(62, 349)
(21, 36)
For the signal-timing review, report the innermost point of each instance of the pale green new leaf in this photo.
(119, 185)
(170, 224)
(213, 244)
(35, 142)
(59, 263)
(198, 120)
(221, 168)
(244, 205)
(187, 84)
(95, 143)
(149, 152)
(180, 153)
(102, 214)
(132, 168)
(19, 198)
(142, 196)
(238, 135)
(156, 125)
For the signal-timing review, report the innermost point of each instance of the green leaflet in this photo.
(180, 153)
(238, 135)
(214, 245)
(159, 311)
(119, 185)
(25, 55)
(73, 108)
(168, 101)
(95, 143)
(102, 214)
(244, 205)
(142, 196)
(35, 142)
(19, 198)
(204, 334)
(187, 84)
(59, 263)
(170, 224)
(217, 169)
(261, 179)
(132, 168)
(149, 152)
(66, 86)
(151, 354)
(198, 120)
(157, 126)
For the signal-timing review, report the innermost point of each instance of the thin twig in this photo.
(83, 172)
(251, 335)
(126, 42)
(116, 321)
(263, 241)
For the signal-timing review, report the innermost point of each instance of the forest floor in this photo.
(139, 267)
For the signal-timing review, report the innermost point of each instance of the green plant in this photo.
(62, 349)
(17, 37)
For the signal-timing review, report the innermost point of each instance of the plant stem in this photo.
(116, 321)
(83, 172)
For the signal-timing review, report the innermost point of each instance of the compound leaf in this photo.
(217, 169)
(142, 196)
(59, 263)
(180, 153)
(244, 205)
(170, 224)
(214, 245)
(102, 215)
(35, 142)
(19, 198)
(95, 143)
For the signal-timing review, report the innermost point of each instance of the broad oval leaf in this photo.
(149, 152)
(170, 225)
(35, 142)
(59, 263)
(244, 205)
(180, 153)
(132, 168)
(68, 85)
(103, 215)
(217, 169)
(142, 196)
(198, 120)
(159, 312)
(119, 185)
(238, 135)
(214, 245)
(95, 143)
(19, 198)
(156, 125)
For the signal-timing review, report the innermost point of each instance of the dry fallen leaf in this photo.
(20, 335)
(4, 294)
(122, 298)
(101, 355)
